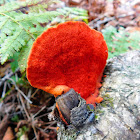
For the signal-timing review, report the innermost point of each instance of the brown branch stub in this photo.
(72, 111)
(67, 102)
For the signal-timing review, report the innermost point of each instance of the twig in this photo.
(51, 108)
(39, 111)
(35, 92)
(52, 127)
(41, 108)
(47, 135)
(7, 76)
(43, 131)
(33, 126)
(42, 115)
(4, 90)
(107, 19)
(23, 112)
(34, 130)
(24, 106)
(47, 123)
(3, 93)
(47, 127)
(20, 90)
(28, 5)
(29, 95)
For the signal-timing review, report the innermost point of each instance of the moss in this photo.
(108, 101)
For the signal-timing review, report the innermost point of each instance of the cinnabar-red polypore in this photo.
(70, 55)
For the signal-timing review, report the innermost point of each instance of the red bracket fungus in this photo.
(70, 55)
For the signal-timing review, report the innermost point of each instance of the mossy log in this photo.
(118, 116)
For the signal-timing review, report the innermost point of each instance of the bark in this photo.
(118, 116)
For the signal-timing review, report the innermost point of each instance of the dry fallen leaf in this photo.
(133, 29)
(8, 134)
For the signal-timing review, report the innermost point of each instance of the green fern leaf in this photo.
(12, 44)
(22, 62)
(11, 6)
(119, 41)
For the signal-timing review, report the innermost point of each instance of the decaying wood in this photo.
(118, 116)
(67, 102)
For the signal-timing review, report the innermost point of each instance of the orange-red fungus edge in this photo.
(71, 55)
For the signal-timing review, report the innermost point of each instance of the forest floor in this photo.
(23, 109)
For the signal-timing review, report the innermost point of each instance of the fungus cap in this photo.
(71, 55)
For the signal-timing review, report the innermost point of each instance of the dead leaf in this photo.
(8, 134)
(3, 68)
(133, 29)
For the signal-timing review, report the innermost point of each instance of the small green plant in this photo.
(22, 131)
(108, 101)
(15, 118)
(120, 41)
(22, 23)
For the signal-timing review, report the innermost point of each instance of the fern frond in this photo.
(73, 10)
(36, 18)
(22, 62)
(119, 41)
(15, 30)
(11, 6)
(40, 5)
(73, 14)
(12, 20)
(13, 43)
(32, 5)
